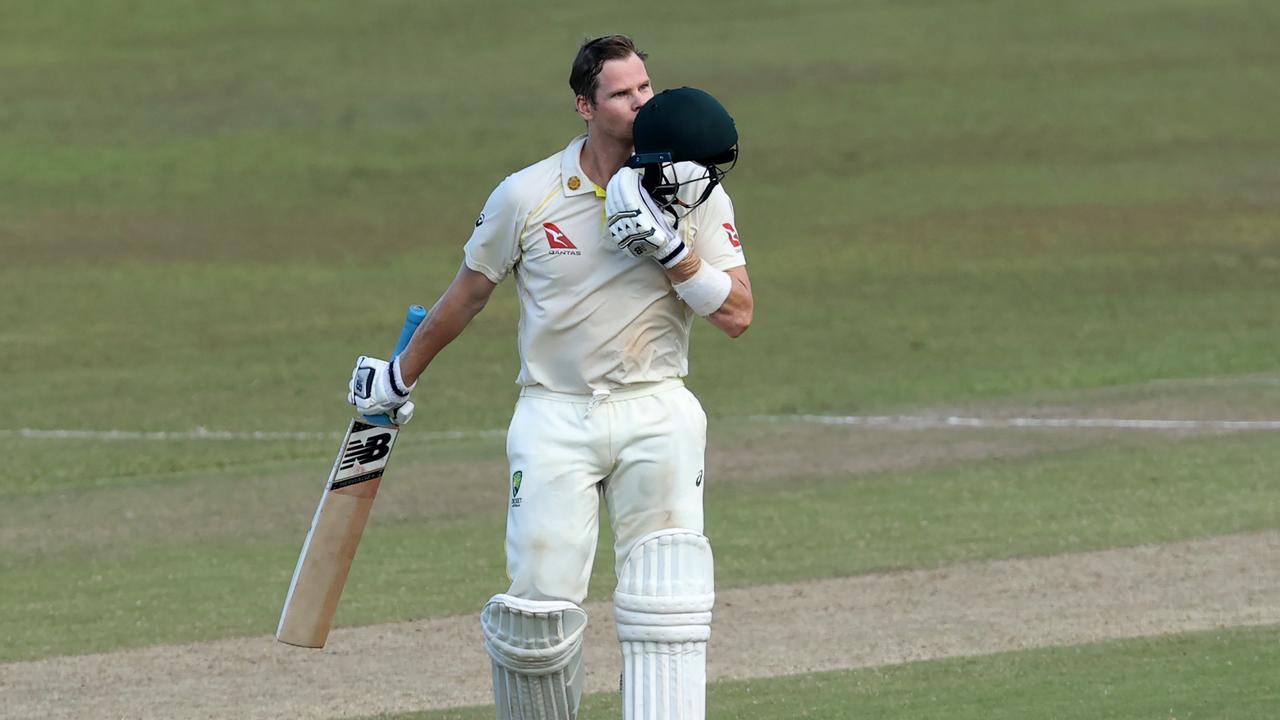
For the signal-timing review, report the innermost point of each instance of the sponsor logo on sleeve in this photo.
(734, 240)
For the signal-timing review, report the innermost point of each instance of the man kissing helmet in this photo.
(683, 125)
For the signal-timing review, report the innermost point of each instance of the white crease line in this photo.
(899, 422)
(205, 434)
(197, 434)
(1217, 382)
(916, 422)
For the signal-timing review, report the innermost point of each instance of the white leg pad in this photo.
(536, 649)
(666, 590)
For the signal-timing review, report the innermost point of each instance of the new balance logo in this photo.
(371, 450)
(364, 383)
(558, 241)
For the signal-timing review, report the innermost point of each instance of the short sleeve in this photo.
(494, 247)
(716, 240)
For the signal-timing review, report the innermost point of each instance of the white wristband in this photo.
(707, 290)
(398, 384)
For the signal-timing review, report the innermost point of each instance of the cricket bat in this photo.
(339, 521)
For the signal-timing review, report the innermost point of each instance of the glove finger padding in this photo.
(377, 387)
(361, 381)
(636, 223)
(402, 414)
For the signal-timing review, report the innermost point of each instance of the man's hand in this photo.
(637, 224)
(378, 388)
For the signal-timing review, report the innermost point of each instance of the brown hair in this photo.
(584, 77)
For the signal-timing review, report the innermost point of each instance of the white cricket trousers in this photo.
(639, 448)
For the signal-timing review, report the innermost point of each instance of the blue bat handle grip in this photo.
(412, 320)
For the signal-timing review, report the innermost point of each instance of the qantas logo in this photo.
(559, 243)
(733, 235)
(556, 238)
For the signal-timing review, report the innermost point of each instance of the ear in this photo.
(584, 107)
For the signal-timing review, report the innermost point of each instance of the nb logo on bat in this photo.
(371, 450)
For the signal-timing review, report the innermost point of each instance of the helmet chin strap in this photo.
(666, 193)
(653, 180)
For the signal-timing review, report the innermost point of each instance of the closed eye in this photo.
(624, 93)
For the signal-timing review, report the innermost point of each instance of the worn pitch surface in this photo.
(966, 609)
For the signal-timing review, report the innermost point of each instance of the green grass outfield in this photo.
(210, 209)
(1220, 674)
(175, 584)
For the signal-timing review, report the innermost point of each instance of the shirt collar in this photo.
(573, 181)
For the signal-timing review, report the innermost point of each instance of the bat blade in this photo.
(336, 529)
(339, 521)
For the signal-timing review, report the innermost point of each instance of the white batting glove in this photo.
(378, 388)
(637, 224)
(402, 414)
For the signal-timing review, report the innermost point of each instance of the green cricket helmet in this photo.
(682, 125)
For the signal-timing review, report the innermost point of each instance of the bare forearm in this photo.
(443, 325)
(451, 314)
(736, 312)
(685, 269)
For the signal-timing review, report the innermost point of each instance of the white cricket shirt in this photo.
(591, 316)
